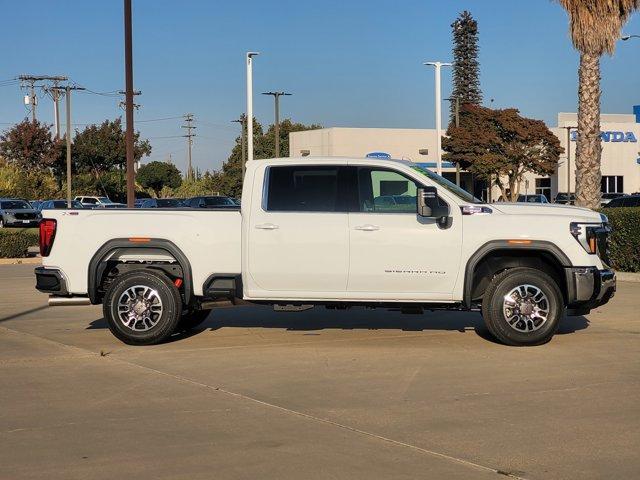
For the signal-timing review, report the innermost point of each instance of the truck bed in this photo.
(209, 238)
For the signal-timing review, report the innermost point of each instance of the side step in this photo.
(291, 308)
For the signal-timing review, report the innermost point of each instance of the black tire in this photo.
(536, 332)
(165, 322)
(192, 319)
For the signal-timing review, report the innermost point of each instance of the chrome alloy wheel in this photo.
(139, 308)
(526, 308)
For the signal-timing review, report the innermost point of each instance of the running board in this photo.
(68, 301)
(291, 308)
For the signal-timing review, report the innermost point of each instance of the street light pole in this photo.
(249, 118)
(624, 38)
(438, 66)
(568, 129)
(276, 98)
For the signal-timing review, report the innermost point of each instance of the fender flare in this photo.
(480, 253)
(98, 264)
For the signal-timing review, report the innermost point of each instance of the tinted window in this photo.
(217, 201)
(15, 205)
(386, 191)
(91, 201)
(168, 203)
(311, 189)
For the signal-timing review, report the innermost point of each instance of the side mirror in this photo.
(428, 205)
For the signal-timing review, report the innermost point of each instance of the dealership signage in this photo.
(380, 155)
(610, 136)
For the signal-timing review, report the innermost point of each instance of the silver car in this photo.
(18, 213)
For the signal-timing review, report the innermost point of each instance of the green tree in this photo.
(595, 27)
(500, 144)
(29, 146)
(157, 175)
(466, 68)
(101, 148)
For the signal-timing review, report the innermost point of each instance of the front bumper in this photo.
(588, 288)
(13, 222)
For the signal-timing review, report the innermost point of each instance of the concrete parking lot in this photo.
(320, 394)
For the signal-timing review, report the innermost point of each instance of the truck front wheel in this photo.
(142, 307)
(522, 306)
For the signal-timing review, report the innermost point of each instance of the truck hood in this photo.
(547, 209)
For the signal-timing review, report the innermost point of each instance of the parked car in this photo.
(18, 213)
(161, 203)
(307, 237)
(138, 202)
(215, 201)
(58, 205)
(624, 201)
(564, 198)
(535, 198)
(607, 197)
(35, 204)
(98, 202)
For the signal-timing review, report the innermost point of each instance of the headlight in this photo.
(585, 234)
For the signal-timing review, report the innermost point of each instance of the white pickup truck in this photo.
(336, 232)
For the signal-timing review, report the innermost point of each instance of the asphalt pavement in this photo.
(358, 394)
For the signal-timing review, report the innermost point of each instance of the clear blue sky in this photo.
(348, 63)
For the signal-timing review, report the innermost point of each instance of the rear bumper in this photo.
(587, 288)
(50, 281)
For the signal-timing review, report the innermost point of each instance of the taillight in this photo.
(47, 235)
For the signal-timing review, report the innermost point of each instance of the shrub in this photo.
(625, 239)
(15, 243)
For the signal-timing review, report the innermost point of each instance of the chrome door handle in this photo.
(267, 226)
(367, 228)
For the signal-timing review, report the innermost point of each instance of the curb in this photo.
(21, 261)
(628, 277)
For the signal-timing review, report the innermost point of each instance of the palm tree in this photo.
(595, 27)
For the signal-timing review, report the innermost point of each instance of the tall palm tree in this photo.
(595, 27)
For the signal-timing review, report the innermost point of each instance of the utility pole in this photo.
(31, 80)
(568, 129)
(67, 91)
(128, 69)
(438, 66)
(249, 118)
(243, 141)
(188, 117)
(457, 124)
(276, 98)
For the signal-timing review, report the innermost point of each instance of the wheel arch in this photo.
(152, 246)
(498, 255)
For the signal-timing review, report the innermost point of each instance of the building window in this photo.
(612, 184)
(543, 187)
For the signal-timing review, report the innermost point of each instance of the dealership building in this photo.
(620, 153)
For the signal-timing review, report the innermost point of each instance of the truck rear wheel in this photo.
(522, 307)
(142, 307)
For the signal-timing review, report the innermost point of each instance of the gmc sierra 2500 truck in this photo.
(337, 232)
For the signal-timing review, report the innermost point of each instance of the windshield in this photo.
(15, 205)
(169, 202)
(443, 182)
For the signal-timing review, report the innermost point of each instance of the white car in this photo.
(98, 202)
(311, 232)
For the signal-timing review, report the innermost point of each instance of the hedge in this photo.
(625, 240)
(15, 243)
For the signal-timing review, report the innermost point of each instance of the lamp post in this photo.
(249, 118)
(438, 66)
(624, 38)
(568, 129)
(276, 98)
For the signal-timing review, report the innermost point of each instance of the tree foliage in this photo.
(29, 146)
(157, 175)
(466, 68)
(100, 148)
(500, 144)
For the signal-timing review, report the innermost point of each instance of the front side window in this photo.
(386, 191)
(303, 188)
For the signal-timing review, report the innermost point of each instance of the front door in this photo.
(299, 237)
(396, 254)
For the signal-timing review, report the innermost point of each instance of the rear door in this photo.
(298, 244)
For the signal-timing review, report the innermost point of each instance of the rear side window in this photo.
(311, 188)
